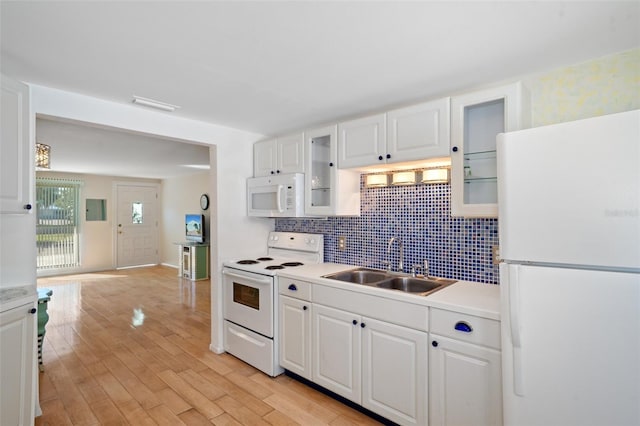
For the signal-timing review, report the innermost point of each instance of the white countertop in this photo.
(12, 297)
(482, 300)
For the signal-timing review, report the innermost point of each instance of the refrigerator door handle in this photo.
(514, 322)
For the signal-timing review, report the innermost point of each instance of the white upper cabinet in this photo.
(281, 155)
(363, 141)
(329, 191)
(409, 134)
(418, 132)
(477, 118)
(16, 160)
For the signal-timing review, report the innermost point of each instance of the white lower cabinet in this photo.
(295, 336)
(378, 365)
(465, 378)
(18, 346)
(336, 351)
(394, 372)
(409, 363)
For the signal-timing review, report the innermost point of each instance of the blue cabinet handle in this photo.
(293, 287)
(463, 326)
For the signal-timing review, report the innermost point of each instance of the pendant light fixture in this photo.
(42, 156)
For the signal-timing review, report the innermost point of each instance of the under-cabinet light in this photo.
(154, 104)
(377, 180)
(403, 178)
(436, 175)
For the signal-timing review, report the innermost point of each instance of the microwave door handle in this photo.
(280, 193)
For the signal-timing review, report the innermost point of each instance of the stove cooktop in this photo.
(285, 250)
(264, 264)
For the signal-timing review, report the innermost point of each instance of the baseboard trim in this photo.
(342, 399)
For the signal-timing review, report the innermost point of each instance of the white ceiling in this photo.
(94, 150)
(270, 67)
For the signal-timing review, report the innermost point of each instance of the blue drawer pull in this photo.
(293, 287)
(463, 326)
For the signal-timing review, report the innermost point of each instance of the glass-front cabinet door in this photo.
(477, 118)
(321, 144)
(329, 191)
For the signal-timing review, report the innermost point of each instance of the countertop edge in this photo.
(30, 297)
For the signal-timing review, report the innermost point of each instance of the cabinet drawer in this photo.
(468, 328)
(294, 288)
(380, 308)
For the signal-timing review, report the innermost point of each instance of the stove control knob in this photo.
(274, 238)
(312, 241)
(307, 240)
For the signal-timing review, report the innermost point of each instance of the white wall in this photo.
(232, 231)
(605, 85)
(180, 196)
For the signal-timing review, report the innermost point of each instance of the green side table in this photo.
(44, 295)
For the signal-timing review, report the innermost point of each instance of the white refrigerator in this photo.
(569, 223)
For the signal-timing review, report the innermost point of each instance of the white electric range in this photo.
(250, 288)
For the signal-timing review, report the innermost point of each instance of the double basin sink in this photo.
(392, 281)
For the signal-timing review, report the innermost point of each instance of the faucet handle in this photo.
(414, 270)
(387, 264)
(426, 268)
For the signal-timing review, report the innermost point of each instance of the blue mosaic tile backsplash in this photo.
(420, 216)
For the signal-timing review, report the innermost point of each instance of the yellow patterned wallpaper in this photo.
(601, 86)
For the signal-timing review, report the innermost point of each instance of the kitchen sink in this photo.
(409, 284)
(391, 281)
(359, 276)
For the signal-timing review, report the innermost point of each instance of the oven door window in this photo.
(246, 295)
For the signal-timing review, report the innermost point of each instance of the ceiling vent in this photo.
(154, 104)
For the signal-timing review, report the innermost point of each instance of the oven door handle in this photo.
(257, 280)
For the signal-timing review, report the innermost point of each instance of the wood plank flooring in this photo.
(100, 369)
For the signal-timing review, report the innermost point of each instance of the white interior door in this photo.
(137, 226)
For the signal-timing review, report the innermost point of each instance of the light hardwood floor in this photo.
(101, 369)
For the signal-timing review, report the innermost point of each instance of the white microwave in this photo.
(276, 196)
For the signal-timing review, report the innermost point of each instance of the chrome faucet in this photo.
(391, 240)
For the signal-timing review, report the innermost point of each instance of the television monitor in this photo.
(194, 227)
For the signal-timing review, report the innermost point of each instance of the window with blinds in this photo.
(57, 212)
